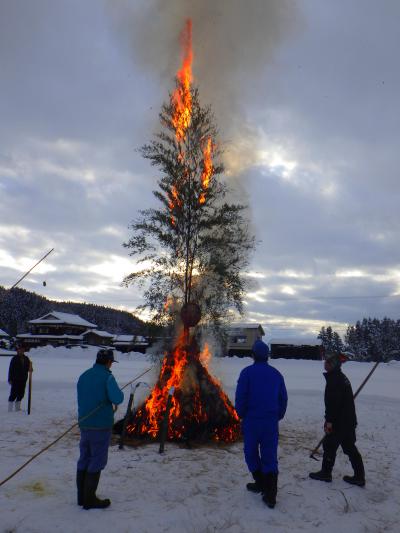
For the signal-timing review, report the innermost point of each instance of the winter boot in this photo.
(90, 500)
(359, 473)
(18, 406)
(10, 406)
(270, 489)
(80, 484)
(325, 474)
(321, 475)
(256, 487)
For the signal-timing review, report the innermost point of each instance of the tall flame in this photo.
(181, 97)
(208, 169)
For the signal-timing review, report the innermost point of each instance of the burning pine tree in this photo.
(195, 245)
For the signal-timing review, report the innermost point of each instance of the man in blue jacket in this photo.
(97, 392)
(261, 401)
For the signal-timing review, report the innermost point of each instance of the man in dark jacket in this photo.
(97, 392)
(340, 423)
(261, 401)
(20, 365)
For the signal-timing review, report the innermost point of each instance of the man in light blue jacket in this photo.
(97, 392)
(261, 401)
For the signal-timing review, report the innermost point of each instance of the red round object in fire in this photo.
(190, 314)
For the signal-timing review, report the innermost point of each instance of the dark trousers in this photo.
(347, 440)
(93, 449)
(17, 391)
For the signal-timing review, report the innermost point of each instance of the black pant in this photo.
(346, 440)
(17, 391)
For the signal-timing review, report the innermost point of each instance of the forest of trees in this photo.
(370, 339)
(18, 306)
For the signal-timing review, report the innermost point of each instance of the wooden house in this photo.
(241, 338)
(56, 329)
(95, 337)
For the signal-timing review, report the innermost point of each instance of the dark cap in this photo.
(105, 356)
(336, 359)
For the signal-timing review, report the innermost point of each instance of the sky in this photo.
(305, 95)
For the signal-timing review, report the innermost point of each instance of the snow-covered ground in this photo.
(197, 490)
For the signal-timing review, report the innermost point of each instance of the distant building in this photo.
(295, 347)
(4, 335)
(56, 329)
(96, 337)
(130, 343)
(4, 339)
(241, 338)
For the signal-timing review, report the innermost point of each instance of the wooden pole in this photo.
(30, 270)
(127, 416)
(30, 388)
(315, 450)
(164, 425)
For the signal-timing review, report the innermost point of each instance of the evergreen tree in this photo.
(196, 244)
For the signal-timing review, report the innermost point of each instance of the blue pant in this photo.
(93, 448)
(261, 444)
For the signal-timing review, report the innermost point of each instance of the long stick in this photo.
(164, 426)
(67, 431)
(315, 450)
(30, 389)
(30, 270)
(127, 416)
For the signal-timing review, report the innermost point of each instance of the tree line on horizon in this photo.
(370, 339)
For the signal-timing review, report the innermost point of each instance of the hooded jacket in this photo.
(97, 387)
(260, 392)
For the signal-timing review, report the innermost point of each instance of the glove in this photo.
(328, 427)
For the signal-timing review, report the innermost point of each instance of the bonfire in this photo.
(186, 397)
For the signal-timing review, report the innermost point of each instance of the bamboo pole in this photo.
(315, 450)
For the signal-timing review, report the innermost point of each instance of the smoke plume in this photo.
(233, 42)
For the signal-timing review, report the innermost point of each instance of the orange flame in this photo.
(174, 201)
(177, 371)
(207, 171)
(181, 97)
(205, 355)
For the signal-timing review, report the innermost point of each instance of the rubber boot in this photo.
(90, 500)
(80, 483)
(359, 473)
(321, 475)
(10, 406)
(256, 487)
(18, 406)
(270, 489)
(325, 474)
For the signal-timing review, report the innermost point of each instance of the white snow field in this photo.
(197, 490)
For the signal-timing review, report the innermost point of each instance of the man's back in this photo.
(261, 392)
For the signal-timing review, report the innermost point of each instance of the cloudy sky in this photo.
(305, 94)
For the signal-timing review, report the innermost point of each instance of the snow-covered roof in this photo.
(3, 333)
(123, 338)
(56, 317)
(296, 340)
(129, 339)
(99, 332)
(248, 325)
(55, 337)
